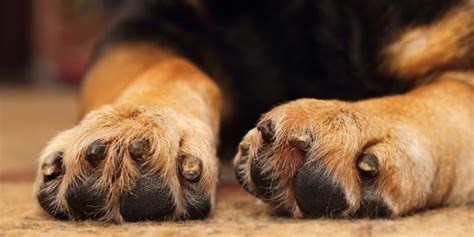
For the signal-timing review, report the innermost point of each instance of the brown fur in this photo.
(420, 141)
(420, 138)
(161, 98)
(443, 45)
(140, 90)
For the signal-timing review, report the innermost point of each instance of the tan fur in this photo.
(445, 44)
(420, 140)
(141, 92)
(117, 68)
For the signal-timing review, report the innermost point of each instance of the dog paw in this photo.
(314, 158)
(130, 163)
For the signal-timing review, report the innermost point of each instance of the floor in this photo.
(30, 116)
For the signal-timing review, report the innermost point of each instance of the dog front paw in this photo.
(314, 158)
(130, 163)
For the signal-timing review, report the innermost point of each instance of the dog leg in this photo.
(146, 148)
(388, 156)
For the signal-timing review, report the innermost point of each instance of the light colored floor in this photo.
(236, 214)
(29, 117)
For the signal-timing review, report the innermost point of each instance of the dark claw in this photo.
(368, 165)
(54, 169)
(96, 152)
(266, 128)
(190, 168)
(138, 149)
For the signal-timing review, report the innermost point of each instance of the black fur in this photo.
(266, 52)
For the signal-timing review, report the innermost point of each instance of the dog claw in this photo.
(244, 149)
(54, 168)
(369, 164)
(138, 149)
(266, 128)
(96, 152)
(301, 141)
(49, 170)
(190, 168)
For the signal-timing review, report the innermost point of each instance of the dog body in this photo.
(170, 74)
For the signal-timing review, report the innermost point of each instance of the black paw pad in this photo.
(86, 202)
(267, 130)
(46, 197)
(239, 168)
(96, 152)
(316, 194)
(149, 199)
(199, 208)
(263, 180)
(372, 208)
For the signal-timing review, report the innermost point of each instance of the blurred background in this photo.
(45, 47)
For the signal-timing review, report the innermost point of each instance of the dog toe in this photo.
(130, 168)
